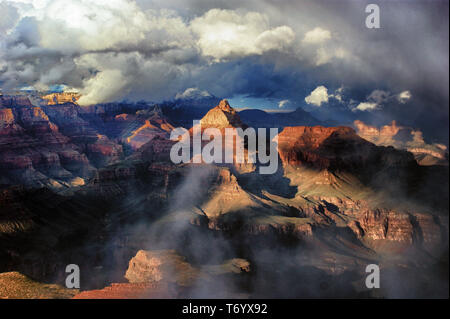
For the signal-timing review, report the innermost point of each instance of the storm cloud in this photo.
(282, 50)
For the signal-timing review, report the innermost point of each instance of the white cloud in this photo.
(320, 47)
(106, 86)
(88, 25)
(318, 96)
(192, 93)
(316, 35)
(278, 38)
(377, 98)
(374, 101)
(224, 34)
(366, 106)
(282, 103)
(404, 97)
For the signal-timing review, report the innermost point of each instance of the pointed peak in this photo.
(225, 106)
(221, 116)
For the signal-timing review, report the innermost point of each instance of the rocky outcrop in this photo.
(387, 225)
(70, 122)
(14, 285)
(10, 101)
(6, 117)
(130, 291)
(61, 98)
(140, 128)
(147, 132)
(33, 151)
(160, 266)
(226, 195)
(167, 266)
(407, 139)
(165, 274)
(311, 137)
(301, 145)
(51, 146)
(382, 136)
(157, 150)
(235, 266)
(432, 231)
(393, 231)
(104, 151)
(339, 149)
(99, 149)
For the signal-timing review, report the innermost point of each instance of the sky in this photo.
(271, 54)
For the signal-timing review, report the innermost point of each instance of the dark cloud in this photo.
(155, 49)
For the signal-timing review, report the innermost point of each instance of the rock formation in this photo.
(407, 139)
(50, 146)
(160, 266)
(140, 128)
(61, 98)
(164, 274)
(14, 285)
(130, 291)
(221, 116)
(10, 101)
(333, 147)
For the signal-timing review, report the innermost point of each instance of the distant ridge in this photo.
(261, 118)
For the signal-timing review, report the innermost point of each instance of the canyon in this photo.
(95, 186)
